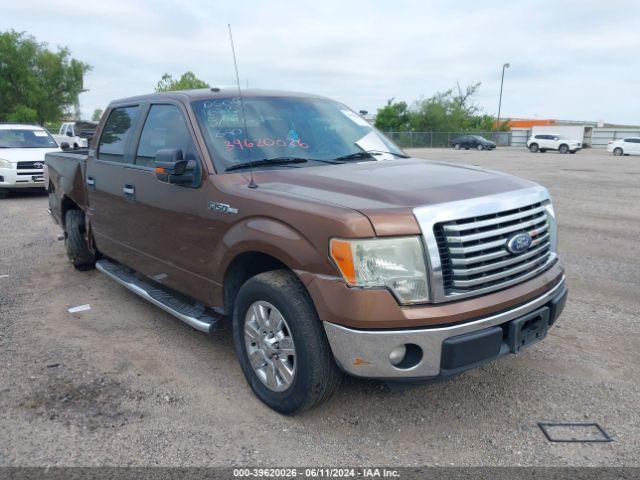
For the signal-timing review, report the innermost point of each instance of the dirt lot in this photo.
(127, 384)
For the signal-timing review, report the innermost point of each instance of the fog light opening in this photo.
(405, 356)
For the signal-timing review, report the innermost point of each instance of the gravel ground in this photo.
(127, 384)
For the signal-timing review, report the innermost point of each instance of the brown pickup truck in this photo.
(319, 241)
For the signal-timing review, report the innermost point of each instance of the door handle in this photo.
(129, 192)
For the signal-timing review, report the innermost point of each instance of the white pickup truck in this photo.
(76, 134)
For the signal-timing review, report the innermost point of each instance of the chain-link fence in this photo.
(442, 139)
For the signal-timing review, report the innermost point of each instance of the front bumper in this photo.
(444, 351)
(12, 178)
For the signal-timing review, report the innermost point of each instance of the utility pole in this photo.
(506, 65)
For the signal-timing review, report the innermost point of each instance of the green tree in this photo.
(453, 110)
(37, 84)
(393, 117)
(97, 113)
(187, 81)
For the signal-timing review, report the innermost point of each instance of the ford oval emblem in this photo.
(519, 242)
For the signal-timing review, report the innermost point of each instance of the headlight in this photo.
(5, 163)
(394, 263)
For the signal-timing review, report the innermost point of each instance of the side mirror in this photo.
(65, 145)
(171, 168)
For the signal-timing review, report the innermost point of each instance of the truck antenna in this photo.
(252, 184)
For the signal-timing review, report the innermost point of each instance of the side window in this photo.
(165, 127)
(539, 137)
(116, 133)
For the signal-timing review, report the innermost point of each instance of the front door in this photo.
(171, 229)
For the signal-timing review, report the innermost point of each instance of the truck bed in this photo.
(65, 182)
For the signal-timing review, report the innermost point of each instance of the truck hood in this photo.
(386, 191)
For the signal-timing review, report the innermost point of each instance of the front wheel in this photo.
(617, 152)
(563, 148)
(480, 147)
(281, 345)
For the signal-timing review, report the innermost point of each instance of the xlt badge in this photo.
(222, 208)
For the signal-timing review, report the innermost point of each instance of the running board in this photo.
(195, 315)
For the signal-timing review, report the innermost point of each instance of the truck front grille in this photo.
(473, 251)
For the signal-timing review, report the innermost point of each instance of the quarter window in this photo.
(116, 133)
(165, 127)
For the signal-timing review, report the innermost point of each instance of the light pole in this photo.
(506, 65)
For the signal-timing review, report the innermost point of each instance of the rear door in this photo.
(106, 177)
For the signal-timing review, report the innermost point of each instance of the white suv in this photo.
(550, 141)
(626, 146)
(22, 149)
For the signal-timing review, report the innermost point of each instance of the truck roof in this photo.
(213, 92)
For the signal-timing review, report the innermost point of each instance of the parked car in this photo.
(472, 141)
(324, 247)
(626, 146)
(22, 150)
(550, 141)
(76, 134)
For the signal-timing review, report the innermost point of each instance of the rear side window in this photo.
(116, 133)
(165, 127)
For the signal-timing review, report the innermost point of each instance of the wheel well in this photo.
(67, 204)
(241, 269)
(563, 145)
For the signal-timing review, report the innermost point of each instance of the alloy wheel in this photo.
(270, 346)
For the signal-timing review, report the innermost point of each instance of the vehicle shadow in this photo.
(14, 194)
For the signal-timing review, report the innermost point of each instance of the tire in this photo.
(312, 372)
(618, 152)
(74, 241)
(456, 146)
(479, 147)
(533, 148)
(564, 148)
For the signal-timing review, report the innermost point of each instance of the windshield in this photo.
(276, 127)
(26, 138)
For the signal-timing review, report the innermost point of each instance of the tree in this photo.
(37, 85)
(97, 113)
(453, 110)
(393, 117)
(187, 81)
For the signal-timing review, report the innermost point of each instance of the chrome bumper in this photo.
(365, 353)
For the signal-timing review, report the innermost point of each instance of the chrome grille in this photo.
(473, 250)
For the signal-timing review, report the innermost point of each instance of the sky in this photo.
(573, 60)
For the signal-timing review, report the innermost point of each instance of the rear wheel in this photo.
(281, 345)
(75, 243)
(617, 152)
(564, 148)
(533, 148)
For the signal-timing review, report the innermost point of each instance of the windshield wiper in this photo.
(354, 156)
(267, 161)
